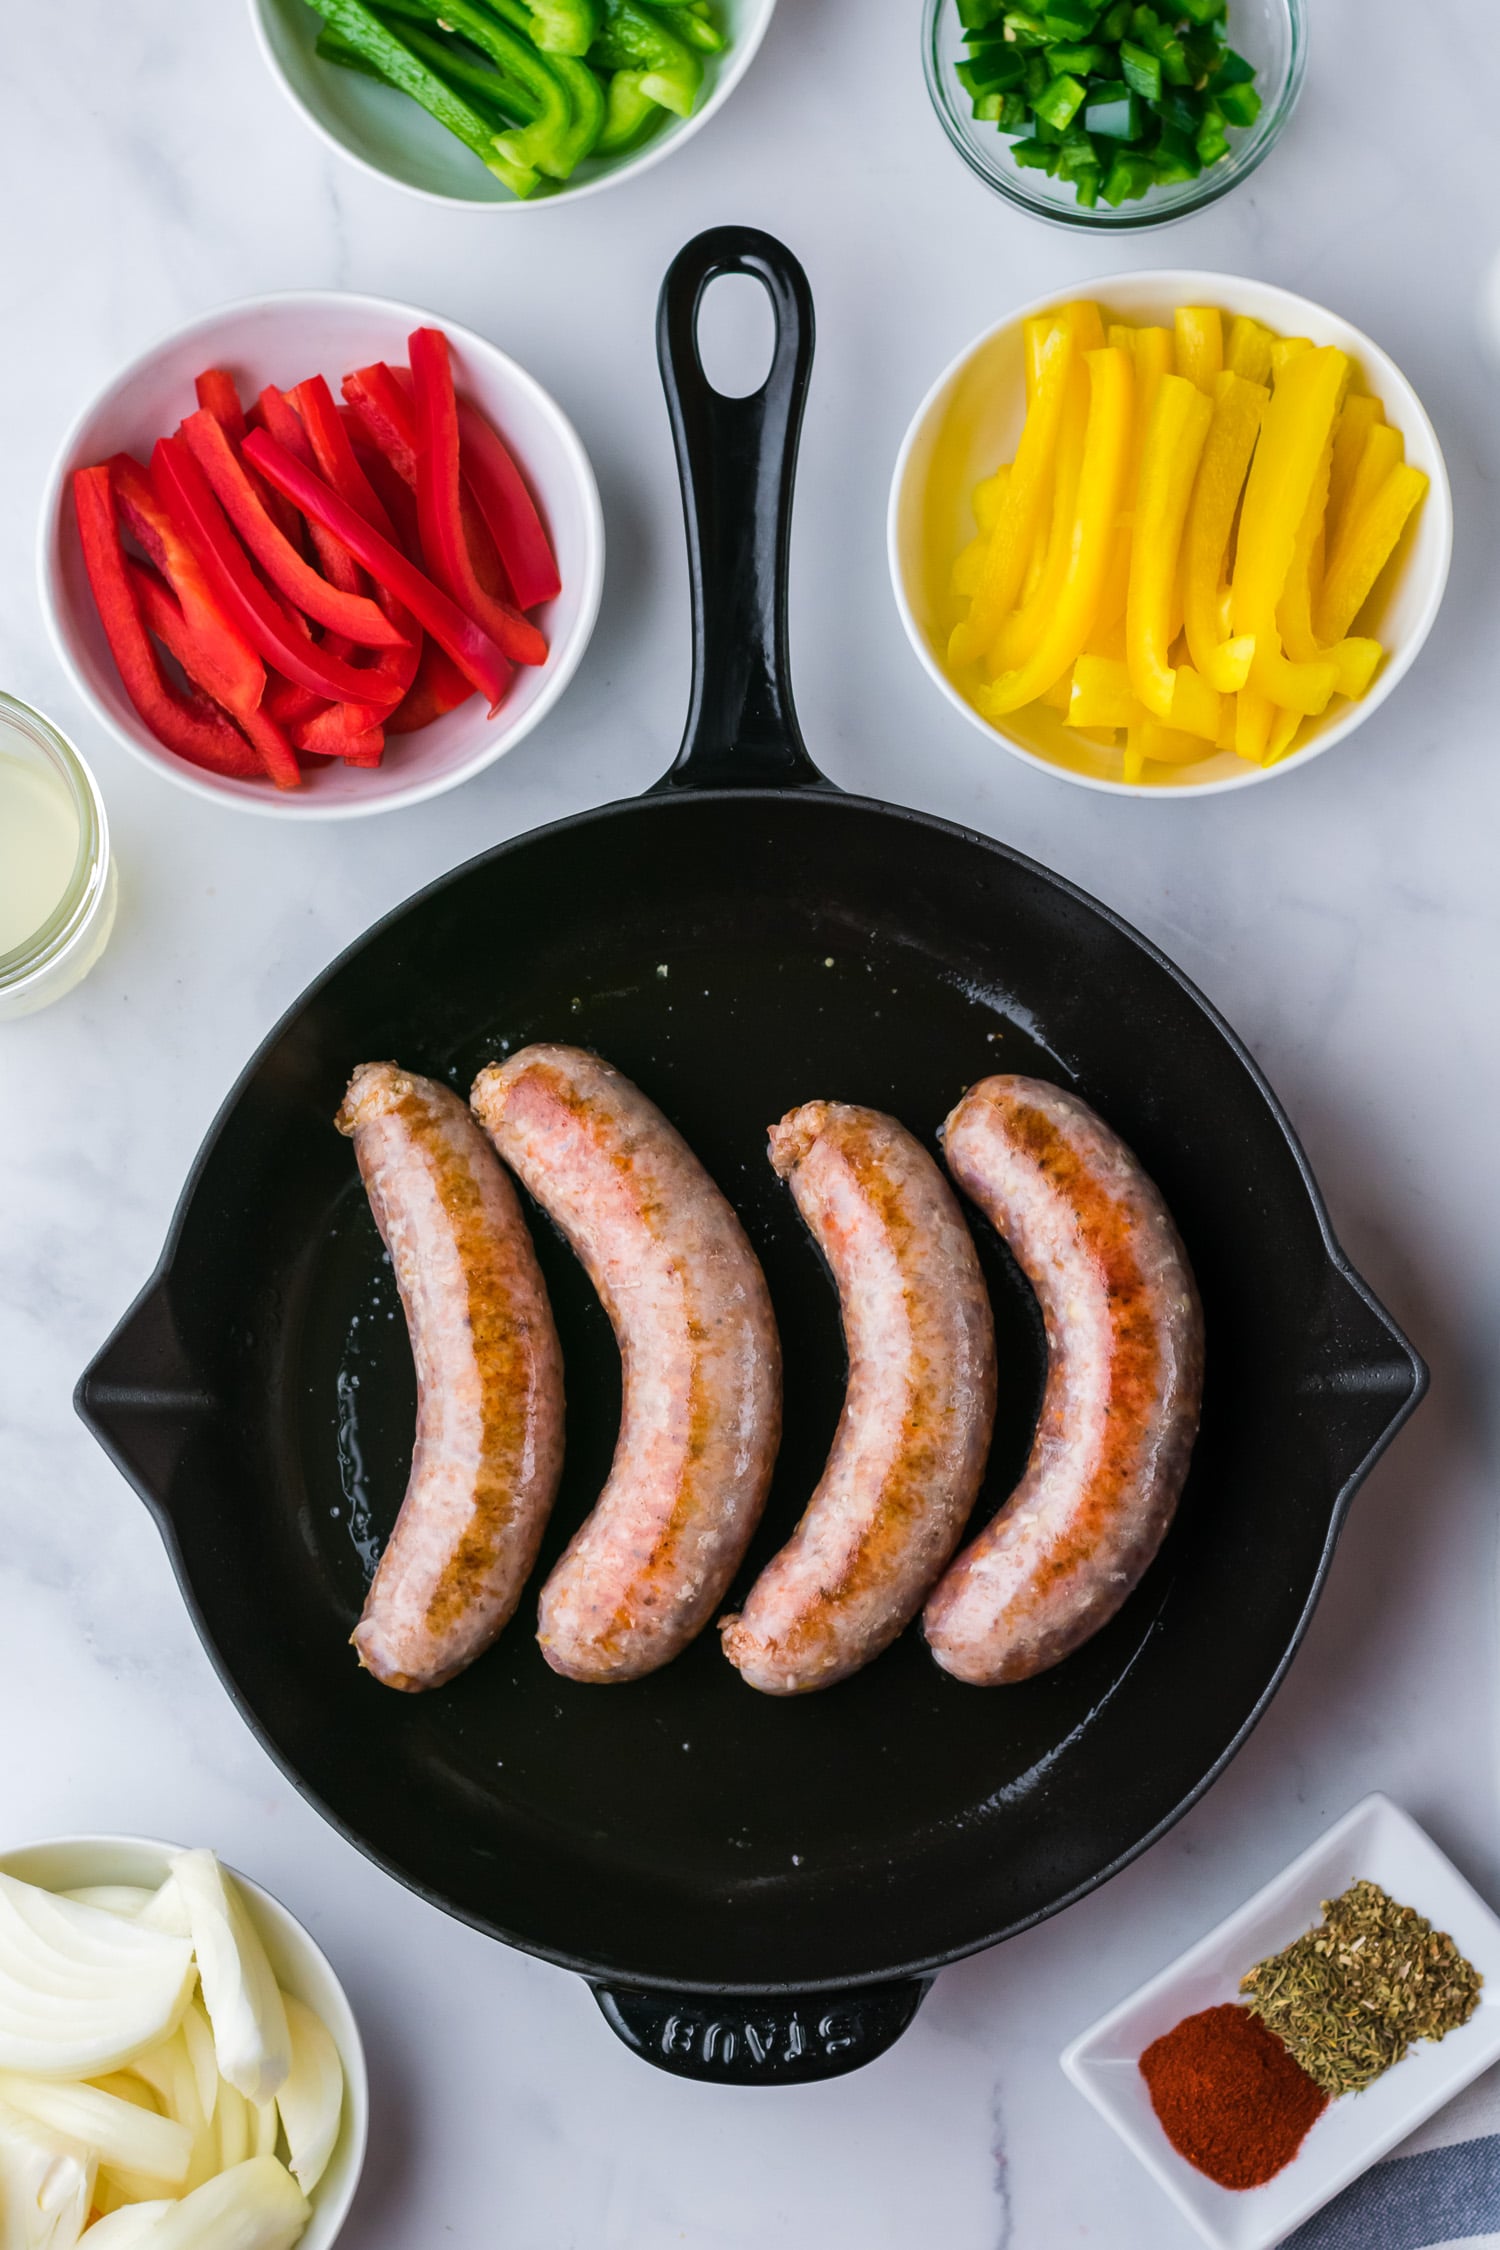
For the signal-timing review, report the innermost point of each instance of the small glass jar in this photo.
(57, 878)
(1271, 34)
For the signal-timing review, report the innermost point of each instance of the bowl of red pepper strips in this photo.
(1245, 2142)
(321, 555)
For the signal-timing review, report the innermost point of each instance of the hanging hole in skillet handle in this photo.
(736, 2039)
(737, 458)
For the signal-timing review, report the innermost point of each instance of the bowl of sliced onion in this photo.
(178, 2061)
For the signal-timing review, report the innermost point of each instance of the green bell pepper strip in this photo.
(565, 27)
(489, 90)
(581, 86)
(547, 142)
(394, 61)
(694, 26)
(634, 39)
(630, 115)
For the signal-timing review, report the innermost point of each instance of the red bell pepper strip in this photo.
(188, 621)
(438, 688)
(163, 617)
(194, 730)
(241, 674)
(440, 503)
(508, 509)
(334, 454)
(217, 395)
(335, 457)
(329, 734)
(471, 649)
(246, 601)
(353, 615)
(387, 413)
(393, 492)
(273, 411)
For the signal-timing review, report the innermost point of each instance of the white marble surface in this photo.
(1345, 920)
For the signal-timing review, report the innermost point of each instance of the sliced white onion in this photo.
(166, 1909)
(232, 2125)
(81, 1991)
(129, 2227)
(111, 1898)
(239, 1990)
(200, 2047)
(117, 2131)
(256, 2206)
(312, 2099)
(46, 2185)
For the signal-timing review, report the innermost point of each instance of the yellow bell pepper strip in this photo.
(968, 568)
(1253, 717)
(1102, 695)
(1294, 610)
(1356, 661)
(1365, 548)
(1200, 344)
(1384, 450)
(1238, 408)
(1283, 735)
(1228, 723)
(1296, 429)
(1360, 415)
(1021, 631)
(1285, 349)
(1025, 497)
(1107, 640)
(1153, 349)
(1060, 694)
(1174, 445)
(1168, 746)
(989, 495)
(1248, 352)
(1195, 705)
(1106, 448)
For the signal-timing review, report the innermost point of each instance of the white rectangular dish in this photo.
(1377, 1841)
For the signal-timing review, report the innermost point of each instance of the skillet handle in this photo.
(737, 458)
(737, 2039)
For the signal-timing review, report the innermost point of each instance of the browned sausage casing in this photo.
(700, 1359)
(489, 1441)
(1124, 1380)
(910, 1448)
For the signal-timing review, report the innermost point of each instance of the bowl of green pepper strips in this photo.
(496, 104)
(1114, 114)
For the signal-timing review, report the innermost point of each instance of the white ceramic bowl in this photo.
(71, 1862)
(970, 421)
(281, 340)
(1375, 1842)
(386, 134)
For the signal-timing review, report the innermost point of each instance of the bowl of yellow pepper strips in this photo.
(1171, 543)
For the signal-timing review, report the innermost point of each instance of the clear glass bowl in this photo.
(1271, 34)
(60, 952)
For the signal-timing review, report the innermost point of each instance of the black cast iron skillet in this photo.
(757, 1890)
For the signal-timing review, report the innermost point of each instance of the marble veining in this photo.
(1345, 920)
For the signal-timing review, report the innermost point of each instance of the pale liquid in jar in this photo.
(38, 845)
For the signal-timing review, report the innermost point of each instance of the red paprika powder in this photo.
(1229, 2096)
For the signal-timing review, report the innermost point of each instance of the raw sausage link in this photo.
(489, 1442)
(1124, 1379)
(700, 1359)
(910, 1448)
